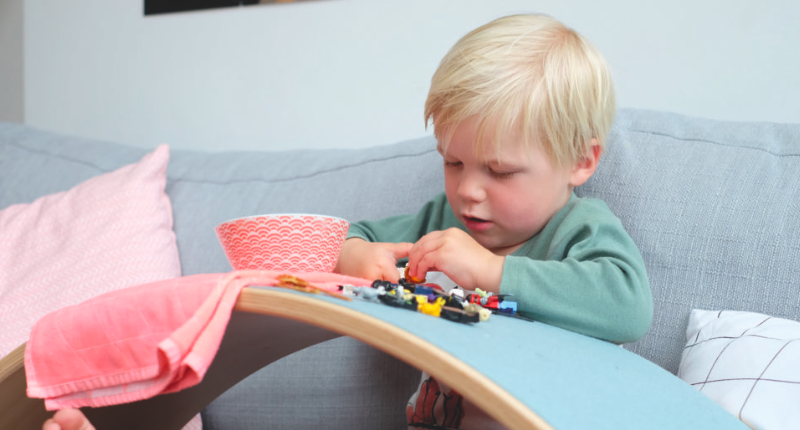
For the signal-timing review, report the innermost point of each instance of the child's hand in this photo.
(68, 419)
(371, 260)
(460, 257)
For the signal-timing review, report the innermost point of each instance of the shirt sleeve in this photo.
(434, 215)
(584, 274)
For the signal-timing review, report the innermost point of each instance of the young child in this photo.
(521, 108)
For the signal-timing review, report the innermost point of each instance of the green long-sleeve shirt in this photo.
(582, 272)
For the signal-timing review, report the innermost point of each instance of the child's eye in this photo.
(451, 163)
(501, 175)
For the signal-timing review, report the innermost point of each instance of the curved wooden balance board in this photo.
(528, 375)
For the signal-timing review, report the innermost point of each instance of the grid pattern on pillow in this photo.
(746, 362)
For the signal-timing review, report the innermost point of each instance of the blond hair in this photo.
(528, 74)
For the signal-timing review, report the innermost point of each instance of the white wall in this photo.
(352, 73)
(11, 61)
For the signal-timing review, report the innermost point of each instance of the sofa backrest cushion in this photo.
(35, 163)
(354, 184)
(715, 210)
(208, 188)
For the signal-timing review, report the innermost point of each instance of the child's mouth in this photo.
(474, 223)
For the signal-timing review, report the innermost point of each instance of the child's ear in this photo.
(586, 166)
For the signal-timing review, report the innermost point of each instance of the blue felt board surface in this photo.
(570, 380)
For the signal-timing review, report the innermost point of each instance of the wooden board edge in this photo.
(12, 362)
(399, 343)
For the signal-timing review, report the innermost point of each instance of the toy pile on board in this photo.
(456, 305)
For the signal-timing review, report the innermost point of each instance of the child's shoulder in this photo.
(585, 211)
(579, 206)
(586, 219)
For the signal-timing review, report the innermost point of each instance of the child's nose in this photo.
(470, 188)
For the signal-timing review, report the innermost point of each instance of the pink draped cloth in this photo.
(136, 343)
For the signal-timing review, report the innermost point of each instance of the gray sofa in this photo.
(714, 207)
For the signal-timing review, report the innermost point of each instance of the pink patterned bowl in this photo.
(290, 242)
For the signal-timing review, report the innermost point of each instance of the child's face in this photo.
(503, 198)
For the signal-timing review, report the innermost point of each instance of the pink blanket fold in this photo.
(136, 343)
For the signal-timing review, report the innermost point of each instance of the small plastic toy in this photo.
(347, 290)
(497, 303)
(507, 307)
(457, 292)
(458, 315)
(411, 278)
(423, 289)
(295, 283)
(475, 309)
(399, 298)
(430, 307)
(368, 293)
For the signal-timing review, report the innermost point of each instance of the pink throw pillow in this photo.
(109, 232)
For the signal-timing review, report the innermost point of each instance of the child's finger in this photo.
(427, 263)
(51, 425)
(69, 419)
(382, 269)
(386, 267)
(425, 244)
(401, 250)
(422, 256)
(390, 274)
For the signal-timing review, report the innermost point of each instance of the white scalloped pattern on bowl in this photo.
(290, 242)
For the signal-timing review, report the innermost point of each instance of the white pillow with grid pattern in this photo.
(747, 362)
